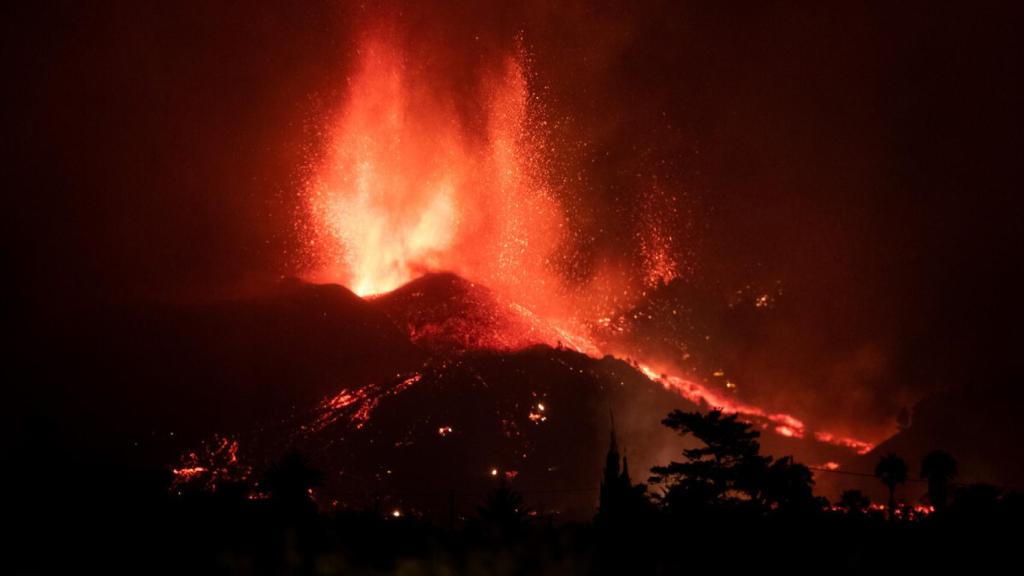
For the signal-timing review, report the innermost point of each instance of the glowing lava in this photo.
(216, 462)
(783, 424)
(407, 187)
(410, 186)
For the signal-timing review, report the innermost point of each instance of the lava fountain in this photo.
(407, 187)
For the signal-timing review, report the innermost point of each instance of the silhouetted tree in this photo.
(854, 502)
(892, 471)
(502, 512)
(727, 469)
(939, 468)
(291, 482)
(789, 486)
(976, 502)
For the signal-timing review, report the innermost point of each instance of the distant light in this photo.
(540, 407)
(396, 513)
(494, 471)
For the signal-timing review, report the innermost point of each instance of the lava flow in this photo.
(409, 186)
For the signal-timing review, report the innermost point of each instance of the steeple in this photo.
(610, 480)
(624, 477)
(613, 445)
(611, 465)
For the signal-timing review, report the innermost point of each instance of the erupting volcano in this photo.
(413, 182)
(513, 287)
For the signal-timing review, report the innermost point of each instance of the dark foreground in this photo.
(138, 526)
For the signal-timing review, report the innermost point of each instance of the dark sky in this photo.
(864, 156)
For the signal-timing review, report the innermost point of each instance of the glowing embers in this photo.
(356, 406)
(215, 463)
(333, 408)
(537, 414)
(729, 384)
(656, 240)
(903, 511)
(505, 474)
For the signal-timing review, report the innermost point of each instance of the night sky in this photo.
(864, 158)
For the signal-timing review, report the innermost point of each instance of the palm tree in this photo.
(939, 468)
(891, 470)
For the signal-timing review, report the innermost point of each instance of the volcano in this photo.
(419, 399)
(439, 388)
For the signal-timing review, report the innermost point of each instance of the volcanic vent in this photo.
(444, 313)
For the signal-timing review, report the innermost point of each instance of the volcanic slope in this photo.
(469, 397)
(139, 384)
(445, 313)
(483, 398)
(437, 439)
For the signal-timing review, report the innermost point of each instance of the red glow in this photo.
(407, 188)
(859, 445)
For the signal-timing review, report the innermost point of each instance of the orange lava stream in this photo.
(785, 424)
